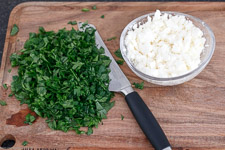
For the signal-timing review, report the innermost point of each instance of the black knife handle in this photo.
(147, 121)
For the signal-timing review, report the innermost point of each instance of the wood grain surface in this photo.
(191, 114)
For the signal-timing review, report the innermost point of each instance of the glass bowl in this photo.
(205, 56)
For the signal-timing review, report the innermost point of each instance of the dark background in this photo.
(7, 5)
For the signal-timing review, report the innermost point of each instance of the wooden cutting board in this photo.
(192, 114)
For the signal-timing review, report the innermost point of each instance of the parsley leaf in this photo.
(102, 16)
(24, 143)
(112, 38)
(118, 54)
(120, 62)
(29, 119)
(11, 94)
(3, 103)
(90, 131)
(14, 58)
(72, 22)
(94, 7)
(85, 24)
(139, 85)
(122, 117)
(14, 30)
(5, 86)
(9, 70)
(85, 9)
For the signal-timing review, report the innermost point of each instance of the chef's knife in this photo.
(144, 117)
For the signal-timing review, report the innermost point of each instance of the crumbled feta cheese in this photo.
(165, 46)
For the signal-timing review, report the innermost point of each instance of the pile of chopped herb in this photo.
(64, 77)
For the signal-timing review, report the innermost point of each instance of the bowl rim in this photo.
(187, 16)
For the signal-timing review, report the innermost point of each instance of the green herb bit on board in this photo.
(72, 22)
(24, 143)
(112, 38)
(11, 94)
(85, 9)
(120, 62)
(102, 16)
(84, 24)
(94, 7)
(139, 85)
(122, 117)
(118, 54)
(9, 70)
(5, 86)
(14, 30)
(3, 103)
(29, 119)
(90, 131)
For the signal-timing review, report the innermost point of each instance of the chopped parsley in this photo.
(9, 70)
(112, 38)
(85, 9)
(5, 86)
(29, 119)
(118, 54)
(94, 7)
(72, 22)
(3, 103)
(90, 131)
(63, 77)
(122, 117)
(11, 94)
(139, 85)
(102, 16)
(120, 62)
(84, 24)
(14, 30)
(24, 143)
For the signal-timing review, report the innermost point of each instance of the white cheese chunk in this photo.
(165, 46)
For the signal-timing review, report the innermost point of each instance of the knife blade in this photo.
(120, 83)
